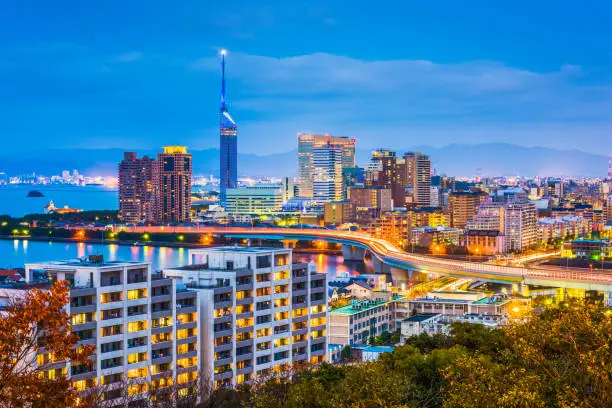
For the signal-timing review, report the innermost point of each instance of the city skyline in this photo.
(431, 78)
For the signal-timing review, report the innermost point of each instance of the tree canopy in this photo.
(32, 326)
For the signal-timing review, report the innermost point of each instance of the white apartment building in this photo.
(520, 226)
(145, 328)
(259, 311)
(361, 319)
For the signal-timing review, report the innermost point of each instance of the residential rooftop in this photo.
(82, 263)
(362, 306)
(492, 300)
(421, 317)
(438, 300)
(245, 249)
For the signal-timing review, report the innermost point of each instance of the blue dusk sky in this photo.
(139, 74)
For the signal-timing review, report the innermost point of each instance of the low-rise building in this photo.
(258, 199)
(357, 322)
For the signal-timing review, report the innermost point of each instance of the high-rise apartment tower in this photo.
(137, 188)
(174, 170)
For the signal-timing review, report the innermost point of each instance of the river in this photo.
(16, 253)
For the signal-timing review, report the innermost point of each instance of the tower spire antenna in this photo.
(223, 106)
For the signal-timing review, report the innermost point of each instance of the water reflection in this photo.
(17, 254)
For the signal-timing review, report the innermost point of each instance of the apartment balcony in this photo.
(244, 286)
(162, 329)
(244, 329)
(74, 310)
(188, 325)
(298, 319)
(84, 326)
(319, 289)
(318, 315)
(156, 283)
(167, 297)
(244, 370)
(300, 331)
(226, 318)
(300, 305)
(318, 328)
(299, 344)
(190, 339)
(192, 353)
(223, 290)
(300, 279)
(318, 340)
(224, 332)
(91, 341)
(242, 343)
(79, 375)
(161, 359)
(163, 374)
(189, 294)
(300, 292)
(225, 347)
(224, 376)
(221, 305)
(317, 353)
(245, 301)
(244, 357)
(161, 345)
(180, 370)
(161, 313)
(112, 305)
(223, 361)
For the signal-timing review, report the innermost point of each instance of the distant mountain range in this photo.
(456, 159)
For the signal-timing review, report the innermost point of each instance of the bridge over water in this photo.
(388, 258)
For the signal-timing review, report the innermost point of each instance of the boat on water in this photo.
(35, 193)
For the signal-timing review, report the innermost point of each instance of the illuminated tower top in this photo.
(226, 120)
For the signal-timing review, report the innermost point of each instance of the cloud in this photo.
(380, 100)
(71, 93)
(127, 57)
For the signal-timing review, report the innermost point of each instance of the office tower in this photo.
(137, 188)
(520, 226)
(307, 145)
(145, 330)
(388, 174)
(417, 175)
(174, 170)
(259, 311)
(228, 145)
(339, 212)
(371, 202)
(258, 199)
(327, 165)
(463, 206)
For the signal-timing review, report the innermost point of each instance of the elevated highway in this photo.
(386, 255)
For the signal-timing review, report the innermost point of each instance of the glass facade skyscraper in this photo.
(228, 132)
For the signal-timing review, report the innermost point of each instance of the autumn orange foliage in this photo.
(32, 325)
